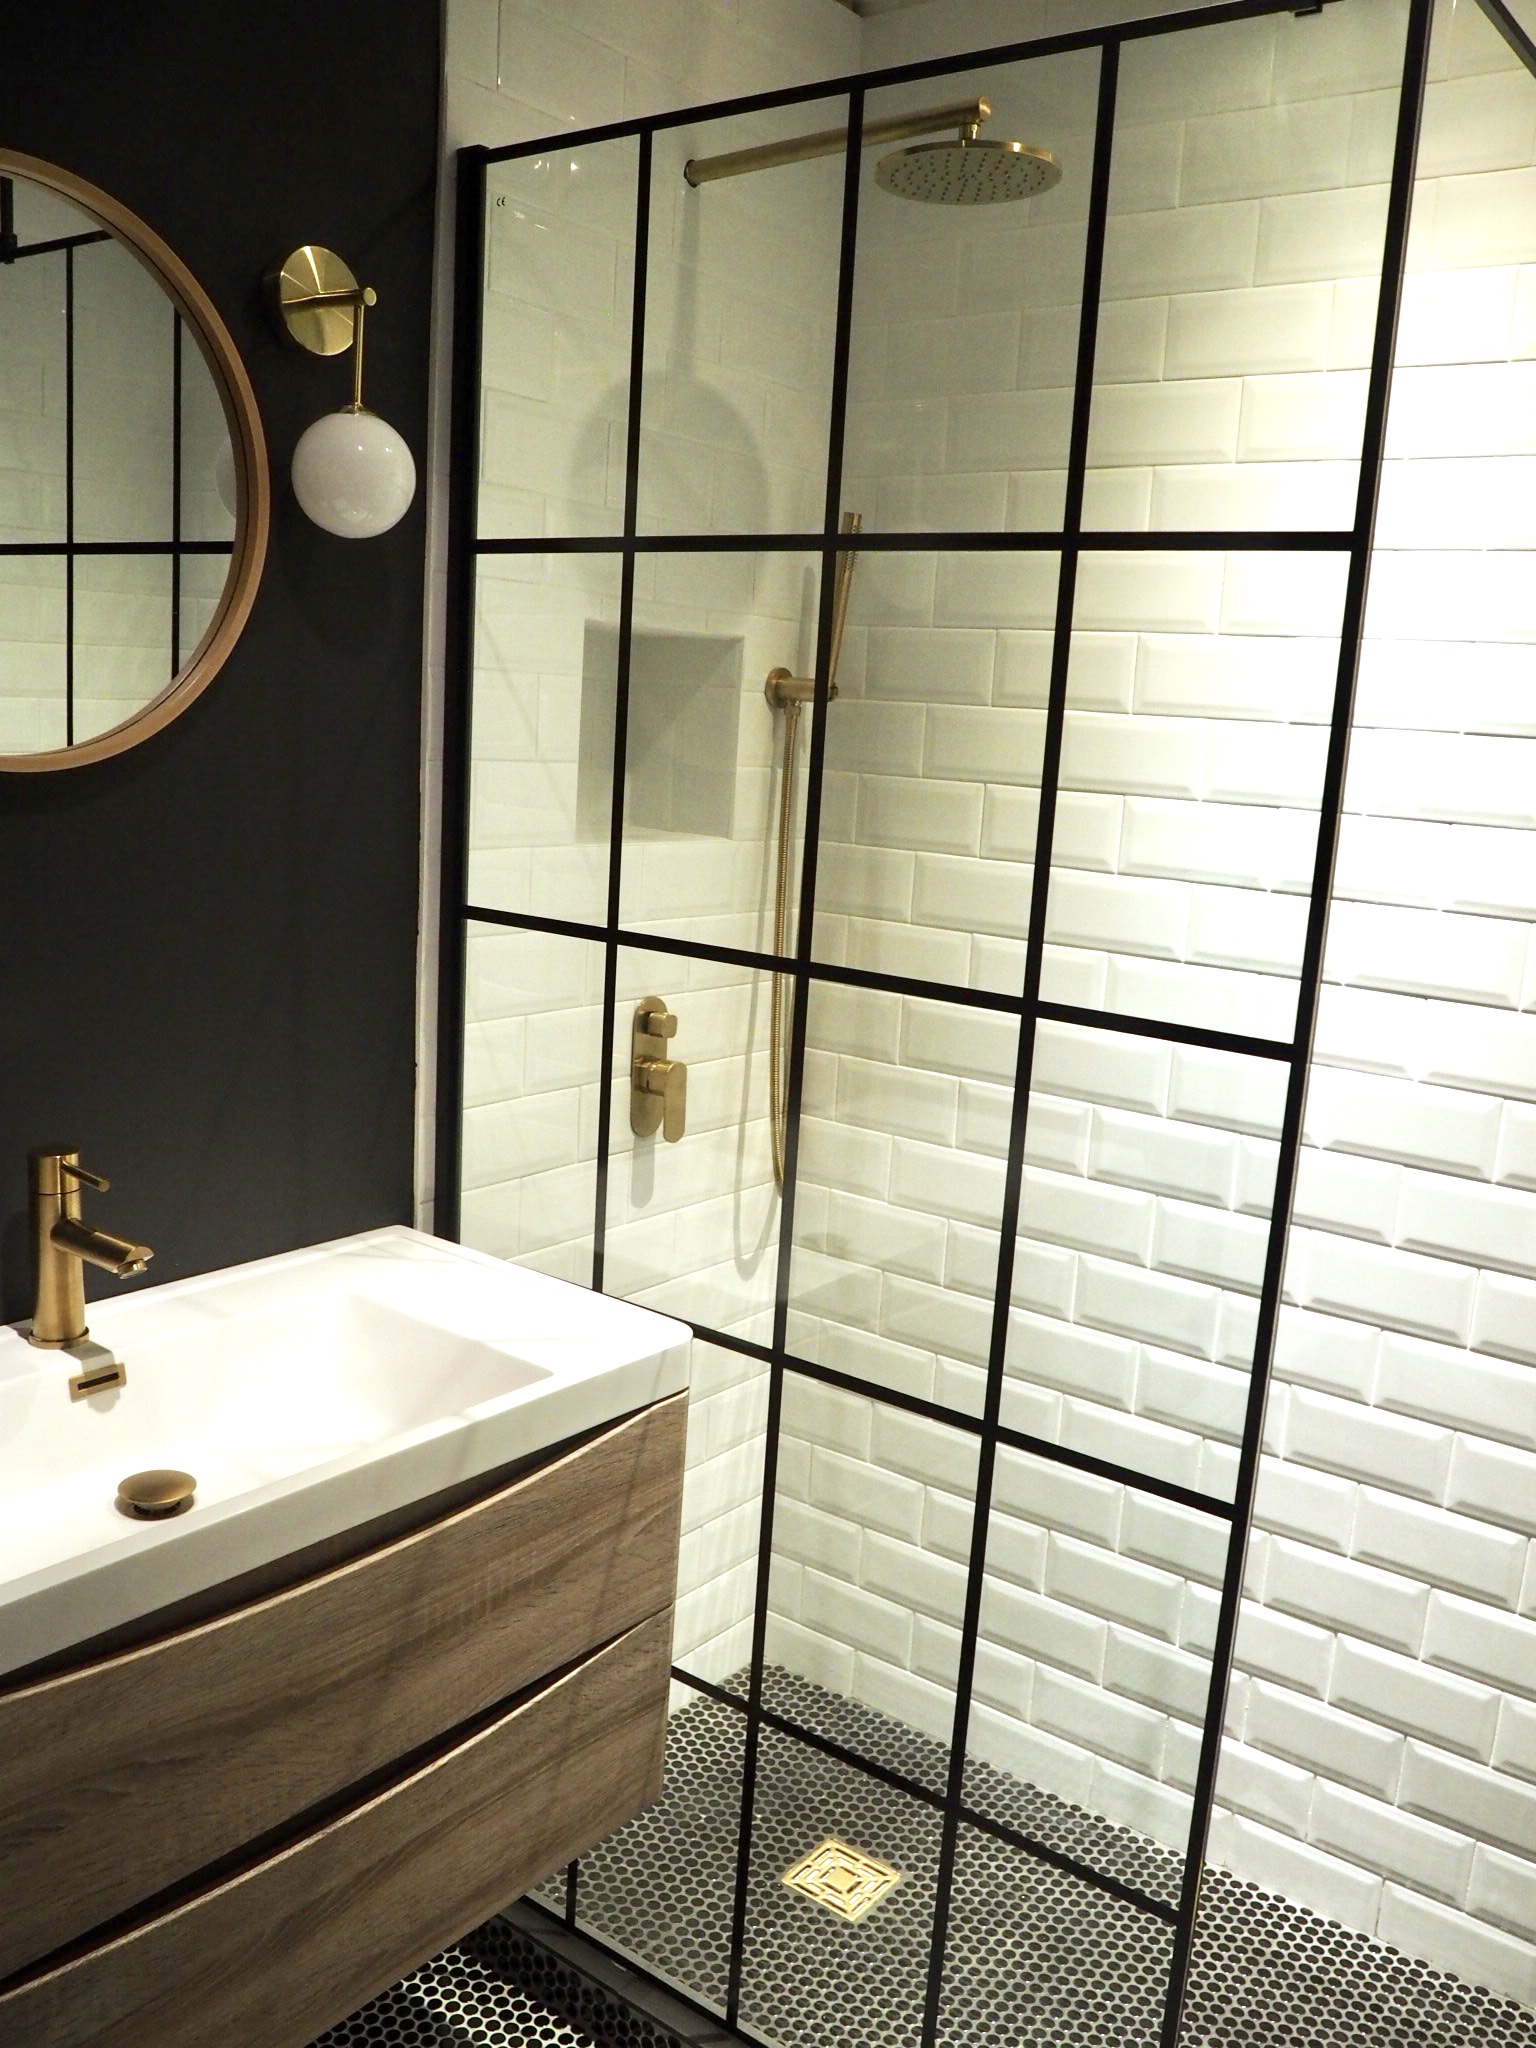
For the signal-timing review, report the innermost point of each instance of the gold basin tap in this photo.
(63, 1243)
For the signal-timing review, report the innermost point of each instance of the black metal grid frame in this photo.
(1508, 25)
(1070, 542)
(69, 550)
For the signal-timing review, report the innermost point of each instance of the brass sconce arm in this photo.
(359, 298)
(321, 307)
(352, 472)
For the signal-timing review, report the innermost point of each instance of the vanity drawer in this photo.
(128, 1775)
(272, 1957)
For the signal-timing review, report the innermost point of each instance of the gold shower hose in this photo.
(788, 693)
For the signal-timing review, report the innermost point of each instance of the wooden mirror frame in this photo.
(253, 482)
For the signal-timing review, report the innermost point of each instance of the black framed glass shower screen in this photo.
(1031, 947)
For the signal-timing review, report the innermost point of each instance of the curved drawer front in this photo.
(272, 1957)
(122, 1778)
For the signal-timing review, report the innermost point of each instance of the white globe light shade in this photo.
(353, 474)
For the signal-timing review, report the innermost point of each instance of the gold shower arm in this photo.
(798, 149)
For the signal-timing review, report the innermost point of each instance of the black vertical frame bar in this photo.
(621, 715)
(804, 931)
(458, 706)
(69, 497)
(1389, 300)
(1034, 958)
(176, 456)
(608, 1046)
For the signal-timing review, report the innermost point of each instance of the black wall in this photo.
(207, 945)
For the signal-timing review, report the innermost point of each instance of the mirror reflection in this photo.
(117, 478)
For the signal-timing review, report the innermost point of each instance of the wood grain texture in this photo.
(274, 1956)
(122, 1778)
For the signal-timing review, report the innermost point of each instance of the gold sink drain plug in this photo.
(155, 1496)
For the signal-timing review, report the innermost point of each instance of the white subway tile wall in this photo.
(872, 1523)
(897, 1211)
(1381, 1746)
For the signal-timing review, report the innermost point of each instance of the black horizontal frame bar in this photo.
(895, 74)
(898, 1781)
(1106, 540)
(58, 244)
(1207, 1038)
(971, 1425)
(1124, 1022)
(66, 550)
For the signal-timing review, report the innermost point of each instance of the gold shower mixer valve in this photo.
(658, 1086)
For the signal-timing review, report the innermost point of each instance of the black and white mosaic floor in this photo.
(497, 1989)
(1035, 1958)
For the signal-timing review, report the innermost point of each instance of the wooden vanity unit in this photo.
(243, 1826)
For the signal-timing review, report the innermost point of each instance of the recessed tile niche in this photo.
(684, 710)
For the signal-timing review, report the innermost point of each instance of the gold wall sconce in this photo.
(352, 472)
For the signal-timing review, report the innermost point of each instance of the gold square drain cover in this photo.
(847, 1880)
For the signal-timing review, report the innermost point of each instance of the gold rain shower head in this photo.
(967, 172)
(964, 172)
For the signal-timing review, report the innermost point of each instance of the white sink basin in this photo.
(306, 1394)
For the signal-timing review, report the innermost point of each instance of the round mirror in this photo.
(134, 499)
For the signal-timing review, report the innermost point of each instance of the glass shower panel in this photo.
(1027, 1945)
(1093, 1669)
(122, 637)
(557, 325)
(904, 1121)
(202, 581)
(722, 1516)
(932, 766)
(808, 1975)
(33, 406)
(693, 1225)
(740, 312)
(124, 398)
(706, 753)
(873, 1518)
(662, 1890)
(1144, 1218)
(533, 1041)
(544, 686)
(206, 464)
(1242, 261)
(964, 341)
(1198, 701)
(34, 607)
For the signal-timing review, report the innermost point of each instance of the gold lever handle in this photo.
(656, 1020)
(658, 1086)
(98, 1181)
(669, 1080)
